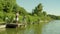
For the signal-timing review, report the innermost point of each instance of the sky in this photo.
(50, 6)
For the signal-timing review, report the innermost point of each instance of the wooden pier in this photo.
(14, 25)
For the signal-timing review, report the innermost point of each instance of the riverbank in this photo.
(41, 21)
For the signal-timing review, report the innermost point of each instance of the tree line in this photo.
(8, 8)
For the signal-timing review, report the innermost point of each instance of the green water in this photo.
(52, 27)
(30, 29)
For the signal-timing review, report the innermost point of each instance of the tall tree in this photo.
(38, 9)
(44, 13)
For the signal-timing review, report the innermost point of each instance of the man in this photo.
(17, 15)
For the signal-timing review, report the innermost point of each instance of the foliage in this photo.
(38, 9)
(8, 8)
(54, 17)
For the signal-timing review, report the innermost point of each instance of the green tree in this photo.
(38, 9)
(44, 13)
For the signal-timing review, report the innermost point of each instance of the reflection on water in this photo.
(31, 29)
(52, 27)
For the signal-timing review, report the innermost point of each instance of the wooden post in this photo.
(24, 19)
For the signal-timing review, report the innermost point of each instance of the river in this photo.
(52, 27)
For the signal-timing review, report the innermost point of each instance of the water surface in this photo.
(52, 27)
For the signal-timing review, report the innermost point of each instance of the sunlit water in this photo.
(52, 27)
